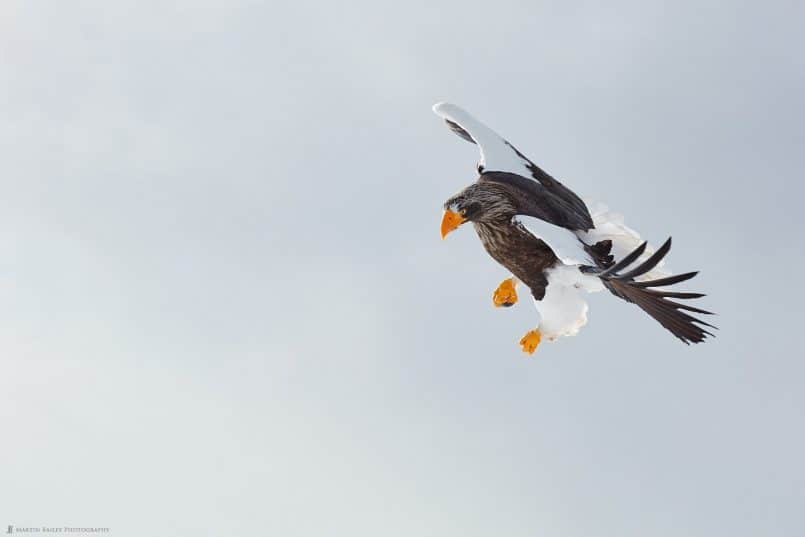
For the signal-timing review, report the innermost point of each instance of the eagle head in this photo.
(479, 202)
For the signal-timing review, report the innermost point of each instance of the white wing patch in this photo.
(565, 245)
(497, 155)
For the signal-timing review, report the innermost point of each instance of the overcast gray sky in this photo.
(225, 307)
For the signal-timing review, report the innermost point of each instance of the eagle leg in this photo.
(530, 341)
(505, 295)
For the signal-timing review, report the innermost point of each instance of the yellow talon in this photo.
(505, 295)
(530, 341)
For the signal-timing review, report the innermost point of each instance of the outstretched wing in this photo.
(653, 297)
(538, 194)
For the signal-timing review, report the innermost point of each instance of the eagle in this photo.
(510, 186)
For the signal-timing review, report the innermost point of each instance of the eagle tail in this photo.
(653, 296)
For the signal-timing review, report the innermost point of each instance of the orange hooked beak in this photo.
(450, 221)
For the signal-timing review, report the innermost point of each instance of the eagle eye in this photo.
(471, 210)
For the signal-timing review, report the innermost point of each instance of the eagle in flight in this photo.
(509, 186)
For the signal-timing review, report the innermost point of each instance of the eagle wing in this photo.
(538, 194)
(653, 296)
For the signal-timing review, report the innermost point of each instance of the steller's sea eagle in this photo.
(510, 185)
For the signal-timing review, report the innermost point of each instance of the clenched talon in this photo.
(530, 341)
(505, 295)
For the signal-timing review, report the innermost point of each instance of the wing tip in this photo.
(445, 109)
(646, 295)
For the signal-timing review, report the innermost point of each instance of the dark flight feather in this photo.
(670, 280)
(655, 301)
(651, 262)
(626, 261)
(546, 202)
(557, 189)
(455, 127)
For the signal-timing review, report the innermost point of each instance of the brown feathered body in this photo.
(511, 185)
(524, 255)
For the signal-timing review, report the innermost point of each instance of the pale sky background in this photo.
(225, 308)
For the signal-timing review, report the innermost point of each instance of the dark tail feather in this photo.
(670, 280)
(650, 263)
(626, 261)
(656, 302)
